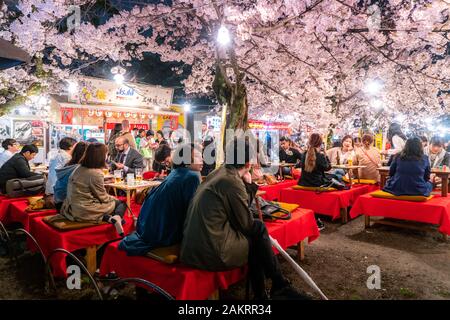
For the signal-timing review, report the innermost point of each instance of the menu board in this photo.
(27, 132)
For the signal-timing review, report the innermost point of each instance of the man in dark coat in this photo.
(17, 166)
(220, 232)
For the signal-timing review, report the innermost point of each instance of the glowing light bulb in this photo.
(223, 36)
(118, 78)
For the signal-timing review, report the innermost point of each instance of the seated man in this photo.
(289, 155)
(17, 166)
(11, 147)
(163, 160)
(220, 232)
(437, 156)
(127, 159)
(162, 216)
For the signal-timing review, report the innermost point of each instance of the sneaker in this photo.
(320, 224)
(288, 292)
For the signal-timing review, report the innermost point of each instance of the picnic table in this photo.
(435, 212)
(132, 188)
(443, 174)
(349, 169)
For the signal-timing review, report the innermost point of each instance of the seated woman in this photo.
(63, 174)
(410, 171)
(87, 199)
(396, 139)
(370, 157)
(341, 155)
(314, 164)
(357, 142)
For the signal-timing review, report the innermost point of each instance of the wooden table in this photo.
(349, 169)
(444, 175)
(41, 168)
(129, 189)
(285, 165)
(384, 173)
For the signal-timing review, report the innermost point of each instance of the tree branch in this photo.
(264, 83)
(400, 64)
(287, 20)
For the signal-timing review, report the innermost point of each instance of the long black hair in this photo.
(413, 149)
(395, 130)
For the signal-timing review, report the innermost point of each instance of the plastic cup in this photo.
(130, 179)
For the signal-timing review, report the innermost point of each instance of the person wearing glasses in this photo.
(11, 147)
(127, 159)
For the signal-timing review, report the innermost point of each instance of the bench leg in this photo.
(367, 221)
(344, 215)
(91, 259)
(214, 295)
(301, 250)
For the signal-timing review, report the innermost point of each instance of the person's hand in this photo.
(247, 177)
(119, 166)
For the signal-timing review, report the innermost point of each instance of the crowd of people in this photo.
(211, 220)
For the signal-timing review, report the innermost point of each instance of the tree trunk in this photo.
(234, 96)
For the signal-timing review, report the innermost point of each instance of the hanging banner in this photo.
(259, 124)
(379, 141)
(167, 123)
(66, 116)
(100, 91)
(144, 126)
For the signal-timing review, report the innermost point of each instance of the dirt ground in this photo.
(413, 265)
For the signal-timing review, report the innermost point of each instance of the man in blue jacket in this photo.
(162, 216)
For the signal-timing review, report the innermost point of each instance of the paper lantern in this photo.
(108, 114)
(127, 114)
(99, 113)
(91, 113)
(134, 115)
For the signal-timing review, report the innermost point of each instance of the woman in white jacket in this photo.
(397, 140)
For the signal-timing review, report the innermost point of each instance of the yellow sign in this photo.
(379, 141)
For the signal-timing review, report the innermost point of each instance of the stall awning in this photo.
(116, 108)
(11, 56)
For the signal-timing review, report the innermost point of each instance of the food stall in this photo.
(98, 104)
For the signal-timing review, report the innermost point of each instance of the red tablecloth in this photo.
(273, 192)
(188, 283)
(327, 203)
(182, 282)
(50, 238)
(5, 206)
(17, 213)
(302, 225)
(434, 211)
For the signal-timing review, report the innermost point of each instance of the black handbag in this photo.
(268, 209)
(25, 187)
(332, 184)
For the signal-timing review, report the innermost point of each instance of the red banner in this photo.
(66, 115)
(144, 126)
(260, 124)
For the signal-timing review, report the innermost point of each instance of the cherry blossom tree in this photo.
(318, 62)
